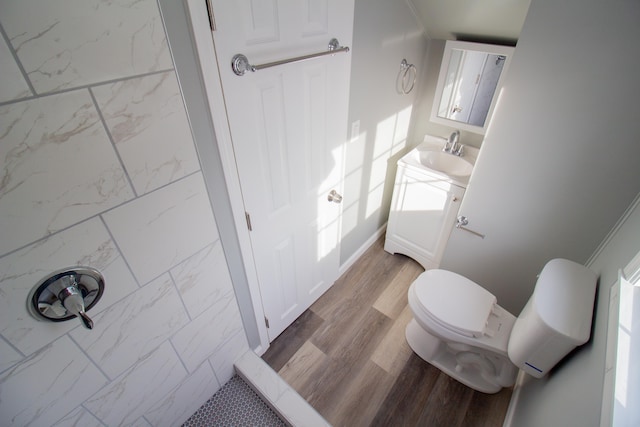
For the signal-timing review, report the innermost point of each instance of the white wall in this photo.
(99, 168)
(571, 395)
(385, 32)
(558, 165)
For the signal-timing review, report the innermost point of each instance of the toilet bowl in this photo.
(459, 327)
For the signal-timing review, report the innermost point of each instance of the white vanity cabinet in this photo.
(424, 207)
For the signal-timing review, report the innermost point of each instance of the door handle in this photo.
(462, 222)
(334, 196)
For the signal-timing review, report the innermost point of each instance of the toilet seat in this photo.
(454, 302)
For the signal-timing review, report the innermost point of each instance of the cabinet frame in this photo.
(423, 211)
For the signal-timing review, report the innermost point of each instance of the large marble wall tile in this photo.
(86, 244)
(136, 391)
(149, 126)
(133, 327)
(48, 385)
(203, 278)
(208, 332)
(12, 84)
(8, 356)
(140, 422)
(163, 228)
(223, 359)
(70, 43)
(58, 167)
(79, 417)
(185, 399)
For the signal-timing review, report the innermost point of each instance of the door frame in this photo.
(205, 51)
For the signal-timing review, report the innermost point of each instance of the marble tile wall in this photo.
(98, 168)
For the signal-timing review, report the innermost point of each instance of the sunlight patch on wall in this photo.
(374, 200)
(385, 131)
(402, 126)
(378, 171)
(392, 132)
(356, 153)
(350, 218)
(391, 138)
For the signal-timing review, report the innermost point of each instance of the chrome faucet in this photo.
(452, 145)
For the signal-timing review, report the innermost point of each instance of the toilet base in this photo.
(473, 367)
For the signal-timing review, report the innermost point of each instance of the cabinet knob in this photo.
(455, 199)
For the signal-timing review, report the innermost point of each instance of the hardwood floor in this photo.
(348, 357)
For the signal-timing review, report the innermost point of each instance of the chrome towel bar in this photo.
(240, 63)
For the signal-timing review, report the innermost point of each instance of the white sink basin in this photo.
(445, 163)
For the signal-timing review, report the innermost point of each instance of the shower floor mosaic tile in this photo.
(235, 404)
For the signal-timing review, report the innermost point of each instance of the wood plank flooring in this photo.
(347, 356)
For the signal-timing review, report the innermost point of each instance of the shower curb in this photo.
(283, 399)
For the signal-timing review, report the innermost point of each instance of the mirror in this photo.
(470, 78)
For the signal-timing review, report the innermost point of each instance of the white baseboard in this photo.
(370, 241)
(515, 396)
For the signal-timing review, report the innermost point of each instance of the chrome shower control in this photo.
(66, 294)
(72, 300)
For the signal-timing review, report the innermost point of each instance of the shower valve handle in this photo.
(72, 300)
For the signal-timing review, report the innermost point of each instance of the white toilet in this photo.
(458, 326)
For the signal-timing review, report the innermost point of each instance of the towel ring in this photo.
(406, 79)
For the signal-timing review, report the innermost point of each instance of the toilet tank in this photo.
(556, 319)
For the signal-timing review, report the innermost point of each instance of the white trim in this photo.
(623, 306)
(276, 393)
(357, 254)
(416, 16)
(206, 54)
(515, 398)
(449, 46)
(632, 270)
(635, 204)
(606, 410)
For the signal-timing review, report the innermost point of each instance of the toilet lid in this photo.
(454, 301)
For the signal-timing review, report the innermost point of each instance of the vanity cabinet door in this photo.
(423, 212)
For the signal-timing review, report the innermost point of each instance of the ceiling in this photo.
(472, 20)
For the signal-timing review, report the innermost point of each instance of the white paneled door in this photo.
(288, 124)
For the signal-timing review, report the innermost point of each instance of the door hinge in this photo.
(212, 19)
(248, 218)
(266, 321)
